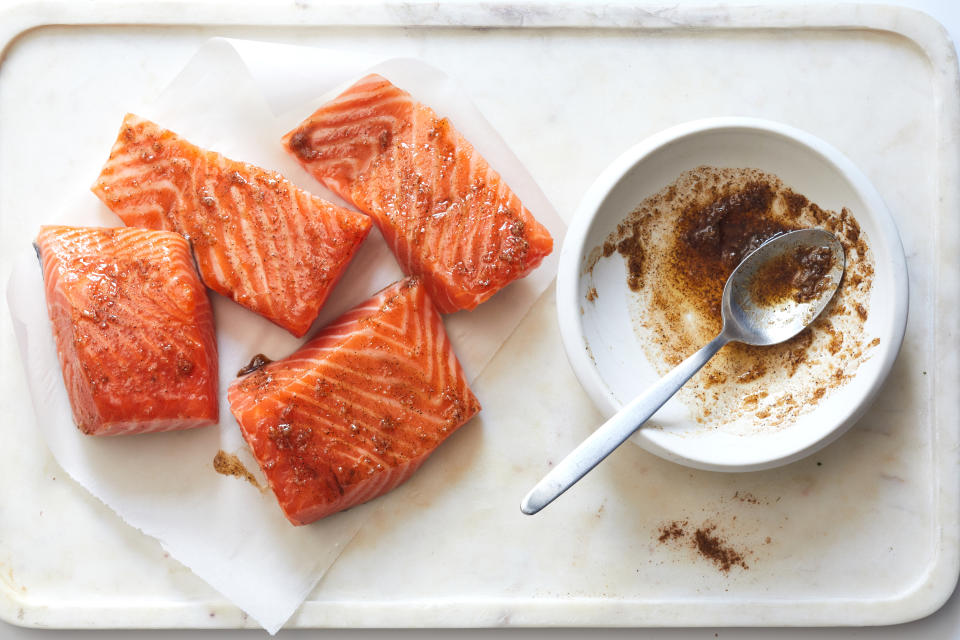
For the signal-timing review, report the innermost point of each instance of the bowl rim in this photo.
(574, 248)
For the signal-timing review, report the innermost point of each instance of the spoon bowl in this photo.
(775, 318)
(772, 295)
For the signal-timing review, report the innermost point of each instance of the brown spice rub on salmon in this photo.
(355, 411)
(446, 214)
(133, 329)
(258, 239)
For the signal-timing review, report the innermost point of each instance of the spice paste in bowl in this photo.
(679, 247)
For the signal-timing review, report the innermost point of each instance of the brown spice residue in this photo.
(851, 228)
(757, 370)
(714, 377)
(672, 530)
(687, 239)
(836, 338)
(631, 247)
(795, 203)
(707, 541)
(711, 239)
(230, 465)
(257, 362)
(711, 545)
(748, 497)
(800, 275)
(798, 355)
(591, 294)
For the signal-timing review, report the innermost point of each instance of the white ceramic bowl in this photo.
(607, 355)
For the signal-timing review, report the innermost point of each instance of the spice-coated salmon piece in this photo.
(258, 239)
(447, 215)
(355, 411)
(133, 329)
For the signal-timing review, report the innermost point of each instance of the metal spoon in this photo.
(744, 320)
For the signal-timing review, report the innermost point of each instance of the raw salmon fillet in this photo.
(258, 239)
(446, 214)
(133, 329)
(355, 411)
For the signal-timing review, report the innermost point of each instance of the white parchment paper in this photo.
(238, 98)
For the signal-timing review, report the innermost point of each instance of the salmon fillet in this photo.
(258, 239)
(447, 215)
(355, 411)
(133, 329)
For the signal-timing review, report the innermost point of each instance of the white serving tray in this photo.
(865, 532)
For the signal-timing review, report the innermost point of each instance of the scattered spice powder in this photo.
(707, 541)
(672, 531)
(712, 546)
(746, 497)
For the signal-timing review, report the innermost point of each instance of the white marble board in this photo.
(863, 533)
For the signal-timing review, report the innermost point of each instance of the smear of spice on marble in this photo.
(230, 465)
(712, 545)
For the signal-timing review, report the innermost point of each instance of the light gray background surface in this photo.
(942, 625)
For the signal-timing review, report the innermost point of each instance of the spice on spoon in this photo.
(800, 276)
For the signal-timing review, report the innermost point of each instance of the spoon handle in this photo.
(612, 433)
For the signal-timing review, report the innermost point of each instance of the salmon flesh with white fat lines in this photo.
(447, 215)
(355, 411)
(258, 239)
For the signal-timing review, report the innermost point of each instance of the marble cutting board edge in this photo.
(863, 533)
